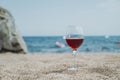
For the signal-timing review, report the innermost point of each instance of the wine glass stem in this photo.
(74, 54)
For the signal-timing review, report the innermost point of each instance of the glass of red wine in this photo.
(74, 38)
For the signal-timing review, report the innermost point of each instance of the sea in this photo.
(47, 44)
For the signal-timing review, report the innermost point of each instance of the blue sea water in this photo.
(46, 44)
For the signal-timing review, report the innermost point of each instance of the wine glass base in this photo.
(73, 69)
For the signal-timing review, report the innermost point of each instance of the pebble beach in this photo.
(49, 66)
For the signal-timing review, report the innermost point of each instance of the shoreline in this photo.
(53, 66)
(79, 53)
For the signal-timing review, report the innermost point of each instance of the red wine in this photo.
(74, 43)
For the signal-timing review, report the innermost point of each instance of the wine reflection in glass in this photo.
(74, 38)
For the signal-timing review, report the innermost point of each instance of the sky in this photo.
(51, 17)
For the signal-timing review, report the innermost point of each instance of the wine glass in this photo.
(74, 38)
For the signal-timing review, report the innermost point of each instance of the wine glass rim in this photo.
(74, 38)
(65, 37)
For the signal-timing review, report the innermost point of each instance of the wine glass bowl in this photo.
(74, 43)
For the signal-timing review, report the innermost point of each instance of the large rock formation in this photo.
(10, 39)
